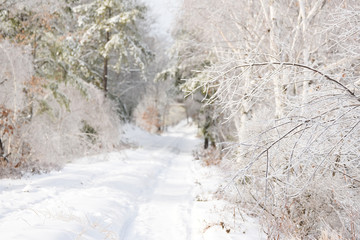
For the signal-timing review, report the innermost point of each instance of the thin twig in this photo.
(260, 205)
(267, 149)
(267, 174)
(281, 138)
(1, 83)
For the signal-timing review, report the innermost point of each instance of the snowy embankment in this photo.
(147, 192)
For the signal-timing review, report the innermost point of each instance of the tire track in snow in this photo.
(158, 152)
(110, 196)
(166, 213)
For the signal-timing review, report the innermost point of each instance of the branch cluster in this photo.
(281, 79)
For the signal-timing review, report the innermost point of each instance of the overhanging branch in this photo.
(302, 66)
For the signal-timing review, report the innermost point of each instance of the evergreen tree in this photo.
(109, 33)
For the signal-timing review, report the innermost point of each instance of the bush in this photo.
(44, 124)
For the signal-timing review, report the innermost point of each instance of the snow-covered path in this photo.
(164, 212)
(143, 193)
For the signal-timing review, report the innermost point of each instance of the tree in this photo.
(109, 33)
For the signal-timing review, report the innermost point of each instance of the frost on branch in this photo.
(281, 80)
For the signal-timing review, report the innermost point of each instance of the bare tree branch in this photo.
(301, 66)
(3, 81)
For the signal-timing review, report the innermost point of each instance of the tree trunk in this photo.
(34, 46)
(2, 152)
(105, 73)
(106, 62)
(206, 142)
(275, 51)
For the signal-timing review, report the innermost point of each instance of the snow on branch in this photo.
(301, 66)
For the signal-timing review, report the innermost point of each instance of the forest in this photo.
(272, 86)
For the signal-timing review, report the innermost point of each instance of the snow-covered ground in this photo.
(147, 192)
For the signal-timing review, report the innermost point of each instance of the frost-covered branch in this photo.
(279, 80)
(301, 66)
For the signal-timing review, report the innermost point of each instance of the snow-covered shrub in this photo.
(88, 126)
(208, 157)
(153, 110)
(15, 70)
(38, 131)
(150, 119)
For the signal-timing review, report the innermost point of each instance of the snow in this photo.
(215, 218)
(145, 192)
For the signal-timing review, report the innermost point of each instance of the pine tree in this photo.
(109, 33)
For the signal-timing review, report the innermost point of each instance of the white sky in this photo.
(164, 12)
